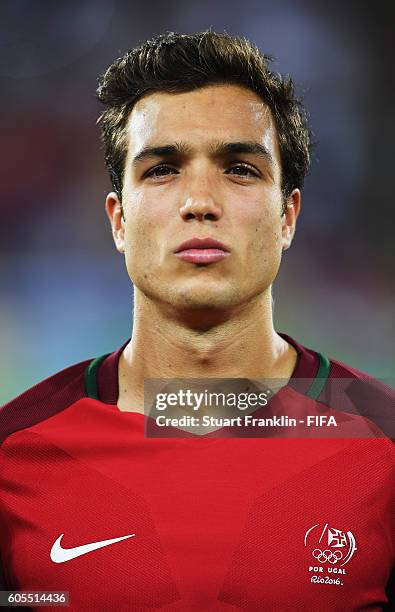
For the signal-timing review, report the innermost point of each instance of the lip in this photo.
(202, 243)
(202, 250)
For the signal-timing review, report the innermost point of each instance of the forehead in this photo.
(201, 116)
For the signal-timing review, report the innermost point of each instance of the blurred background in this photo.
(65, 294)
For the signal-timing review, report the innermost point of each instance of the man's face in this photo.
(217, 175)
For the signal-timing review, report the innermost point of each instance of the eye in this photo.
(242, 170)
(160, 171)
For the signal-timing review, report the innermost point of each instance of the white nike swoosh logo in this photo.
(60, 555)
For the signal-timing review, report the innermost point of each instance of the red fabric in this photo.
(220, 523)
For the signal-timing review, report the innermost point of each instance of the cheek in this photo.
(146, 216)
(140, 244)
(264, 228)
(139, 232)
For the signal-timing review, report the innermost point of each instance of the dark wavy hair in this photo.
(184, 62)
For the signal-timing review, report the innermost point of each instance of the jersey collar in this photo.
(309, 366)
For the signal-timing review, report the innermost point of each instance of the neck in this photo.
(167, 343)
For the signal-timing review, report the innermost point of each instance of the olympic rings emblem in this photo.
(327, 555)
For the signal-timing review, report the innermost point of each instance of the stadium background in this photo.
(65, 294)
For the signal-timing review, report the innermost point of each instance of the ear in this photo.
(289, 217)
(114, 212)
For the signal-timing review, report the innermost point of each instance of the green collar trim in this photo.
(317, 385)
(91, 377)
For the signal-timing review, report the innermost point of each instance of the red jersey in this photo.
(121, 521)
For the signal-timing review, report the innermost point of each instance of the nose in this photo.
(200, 204)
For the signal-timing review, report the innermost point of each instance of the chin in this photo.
(205, 297)
(205, 302)
(219, 300)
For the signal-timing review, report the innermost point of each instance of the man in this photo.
(207, 151)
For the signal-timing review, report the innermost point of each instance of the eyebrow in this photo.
(220, 149)
(224, 149)
(168, 150)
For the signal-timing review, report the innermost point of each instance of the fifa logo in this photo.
(330, 545)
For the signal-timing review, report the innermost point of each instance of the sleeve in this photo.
(5, 587)
(390, 592)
